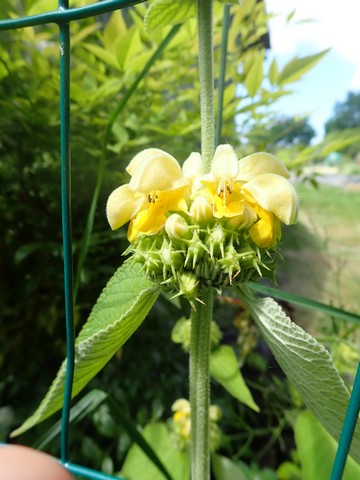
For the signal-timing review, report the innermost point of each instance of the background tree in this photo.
(346, 114)
(282, 132)
(291, 131)
(346, 120)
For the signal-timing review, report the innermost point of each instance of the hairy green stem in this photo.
(206, 72)
(221, 80)
(200, 386)
(202, 316)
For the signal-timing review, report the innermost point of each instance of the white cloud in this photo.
(334, 25)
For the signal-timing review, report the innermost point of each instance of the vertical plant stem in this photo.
(200, 386)
(221, 81)
(202, 316)
(206, 72)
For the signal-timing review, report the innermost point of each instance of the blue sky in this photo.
(334, 25)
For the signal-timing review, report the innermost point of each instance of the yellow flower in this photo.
(223, 190)
(253, 192)
(182, 423)
(181, 418)
(271, 195)
(157, 186)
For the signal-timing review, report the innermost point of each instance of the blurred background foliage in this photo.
(108, 55)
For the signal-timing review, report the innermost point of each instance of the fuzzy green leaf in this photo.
(297, 67)
(306, 363)
(119, 311)
(225, 369)
(167, 12)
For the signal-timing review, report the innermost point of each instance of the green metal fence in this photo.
(63, 16)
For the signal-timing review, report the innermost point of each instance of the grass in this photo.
(322, 252)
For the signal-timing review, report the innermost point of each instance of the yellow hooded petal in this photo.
(258, 163)
(275, 194)
(266, 232)
(122, 205)
(147, 223)
(154, 169)
(140, 157)
(225, 164)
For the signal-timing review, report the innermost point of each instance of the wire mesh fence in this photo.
(62, 17)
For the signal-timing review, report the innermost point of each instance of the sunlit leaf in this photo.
(273, 74)
(297, 67)
(255, 75)
(167, 12)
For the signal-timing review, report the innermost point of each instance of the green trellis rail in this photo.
(63, 16)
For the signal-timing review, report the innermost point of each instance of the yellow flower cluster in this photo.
(190, 229)
(251, 194)
(181, 424)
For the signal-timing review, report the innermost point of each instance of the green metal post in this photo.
(66, 222)
(347, 433)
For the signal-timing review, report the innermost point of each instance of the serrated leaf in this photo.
(167, 12)
(119, 311)
(306, 363)
(317, 449)
(255, 75)
(138, 465)
(297, 67)
(225, 369)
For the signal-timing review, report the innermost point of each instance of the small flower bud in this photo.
(176, 227)
(201, 210)
(188, 283)
(216, 241)
(181, 404)
(215, 413)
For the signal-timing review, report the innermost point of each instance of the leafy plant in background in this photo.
(129, 132)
